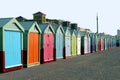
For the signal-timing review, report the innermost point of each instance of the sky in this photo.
(82, 12)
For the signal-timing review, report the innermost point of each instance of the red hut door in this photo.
(99, 44)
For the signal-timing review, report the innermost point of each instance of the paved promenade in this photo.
(103, 65)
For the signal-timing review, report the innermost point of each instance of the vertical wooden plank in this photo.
(61, 45)
(51, 46)
(57, 45)
(36, 47)
(46, 48)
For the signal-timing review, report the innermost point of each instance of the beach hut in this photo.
(78, 36)
(59, 41)
(92, 37)
(11, 44)
(96, 42)
(73, 42)
(99, 42)
(105, 45)
(102, 41)
(107, 41)
(110, 41)
(47, 43)
(88, 43)
(31, 43)
(114, 41)
(67, 38)
(117, 41)
(83, 43)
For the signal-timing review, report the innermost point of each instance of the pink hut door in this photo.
(48, 47)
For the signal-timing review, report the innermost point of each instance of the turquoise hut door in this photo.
(12, 49)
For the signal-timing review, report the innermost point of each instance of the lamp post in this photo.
(97, 21)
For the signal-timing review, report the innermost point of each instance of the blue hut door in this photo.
(12, 49)
(59, 45)
(67, 45)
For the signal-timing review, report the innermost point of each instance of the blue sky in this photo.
(82, 12)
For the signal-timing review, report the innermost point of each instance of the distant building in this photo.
(78, 28)
(85, 30)
(74, 26)
(66, 23)
(118, 32)
(39, 17)
(88, 30)
(20, 18)
(54, 21)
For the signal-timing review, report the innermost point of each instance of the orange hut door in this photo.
(33, 52)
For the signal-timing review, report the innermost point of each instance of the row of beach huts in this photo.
(27, 43)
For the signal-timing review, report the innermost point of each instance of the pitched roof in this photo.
(71, 31)
(27, 24)
(92, 34)
(77, 32)
(100, 35)
(43, 26)
(83, 33)
(64, 28)
(55, 27)
(4, 21)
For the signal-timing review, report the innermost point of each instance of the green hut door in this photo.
(73, 45)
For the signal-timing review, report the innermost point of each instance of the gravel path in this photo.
(103, 65)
